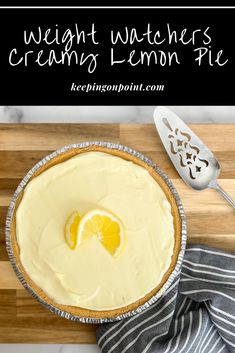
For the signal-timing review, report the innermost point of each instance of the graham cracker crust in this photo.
(77, 311)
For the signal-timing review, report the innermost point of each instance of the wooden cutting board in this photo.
(210, 219)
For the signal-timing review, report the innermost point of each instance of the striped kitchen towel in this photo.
(195, 315)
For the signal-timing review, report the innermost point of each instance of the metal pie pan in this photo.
(111, 146)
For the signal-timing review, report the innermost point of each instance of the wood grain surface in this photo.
(210, 220)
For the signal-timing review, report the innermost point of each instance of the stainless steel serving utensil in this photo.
(194, 162)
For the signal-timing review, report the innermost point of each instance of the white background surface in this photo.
(112, 114)
(49, 348)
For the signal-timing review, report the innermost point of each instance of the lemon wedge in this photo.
(104, 225)
(71, 229)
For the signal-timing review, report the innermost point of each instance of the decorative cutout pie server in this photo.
(194, 162)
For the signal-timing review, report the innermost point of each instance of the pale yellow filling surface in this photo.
(89, 277)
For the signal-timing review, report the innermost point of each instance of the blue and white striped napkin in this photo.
(195, 315)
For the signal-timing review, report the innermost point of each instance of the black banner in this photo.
(117, 56)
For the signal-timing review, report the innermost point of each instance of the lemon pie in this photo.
(96, 232)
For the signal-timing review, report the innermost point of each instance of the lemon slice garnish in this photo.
(71, 229)
(104, 225)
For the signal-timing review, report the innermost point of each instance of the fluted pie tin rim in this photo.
(111, 146)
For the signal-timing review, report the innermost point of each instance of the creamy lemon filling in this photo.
(88, 276)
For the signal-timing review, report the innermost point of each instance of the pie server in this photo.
(194, 162)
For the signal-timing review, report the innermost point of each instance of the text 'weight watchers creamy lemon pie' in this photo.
(96, 232)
